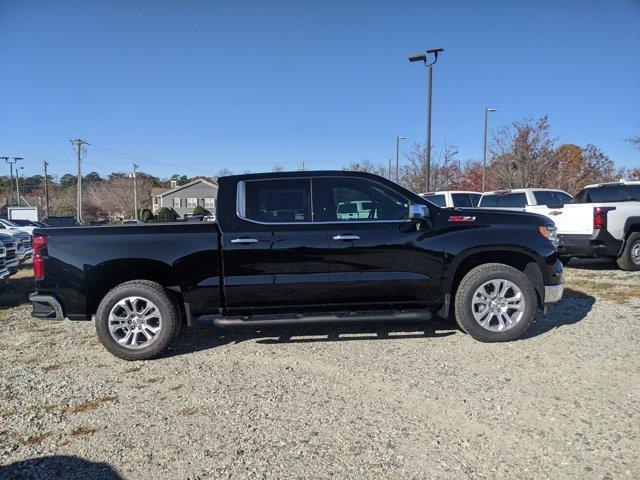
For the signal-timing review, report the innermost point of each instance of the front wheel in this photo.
(495, 303)
(137, 320)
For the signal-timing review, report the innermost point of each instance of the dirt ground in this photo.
(367, 401)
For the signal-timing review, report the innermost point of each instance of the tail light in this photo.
(600, 217)
(39, 243)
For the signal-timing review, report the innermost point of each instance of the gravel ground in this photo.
(376, 401)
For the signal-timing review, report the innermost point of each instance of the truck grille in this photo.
(11, 254)
(9, 244)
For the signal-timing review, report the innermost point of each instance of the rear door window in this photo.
(512, 200)
(475, 198)
(461, 200)
(278, 201)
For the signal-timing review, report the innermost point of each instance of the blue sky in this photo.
(245, 85)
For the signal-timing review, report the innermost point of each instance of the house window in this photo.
(192, 202)
(176, 202)
(209, 203)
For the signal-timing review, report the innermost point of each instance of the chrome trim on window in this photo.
(241, 203)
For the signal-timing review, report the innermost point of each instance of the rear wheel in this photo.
(495, 303)
(137, 320)
(630, 258)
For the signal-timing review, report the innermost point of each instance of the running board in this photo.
(329, 317)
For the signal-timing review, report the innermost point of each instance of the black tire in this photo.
(148, 290)
(628, 261)
(473, 280)
(565, 261)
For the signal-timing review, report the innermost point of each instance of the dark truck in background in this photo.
(282, 252)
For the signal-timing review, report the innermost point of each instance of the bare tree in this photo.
(524, 154)
(367, 166)
(223, 172)
(277, 167)
(445, 168)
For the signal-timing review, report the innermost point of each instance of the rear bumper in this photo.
(46, 306)
(600, 244)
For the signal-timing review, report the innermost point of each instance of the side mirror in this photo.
(418, 212)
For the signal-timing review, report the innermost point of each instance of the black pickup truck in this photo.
(301, 247)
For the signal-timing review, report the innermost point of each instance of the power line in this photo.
(144, 159)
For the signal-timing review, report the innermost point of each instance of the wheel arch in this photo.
(103, 278)
(518, 258)
(631, 225)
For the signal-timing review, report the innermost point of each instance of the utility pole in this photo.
(78, 146)
(398, 158)
(423, 58)
(18, 184)
(46, 188)
(135, 193)
(11, 163)
(484, 156)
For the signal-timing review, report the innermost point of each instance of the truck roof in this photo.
(614, 184)
(440, 192)
(522, 190)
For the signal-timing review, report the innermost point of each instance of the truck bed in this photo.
(82, 260)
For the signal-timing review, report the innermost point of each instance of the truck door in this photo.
(274, 254)
(381, 260)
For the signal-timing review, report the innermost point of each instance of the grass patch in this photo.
(133, 369)
(91, 404)
(51, 368)
(35, 439)
(188, 411)
(79, 431)
(177, 387)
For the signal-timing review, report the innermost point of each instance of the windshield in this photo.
(504, 200)
(9, 223)
(438, 200)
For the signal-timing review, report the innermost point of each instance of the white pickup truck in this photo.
(453, 198)
(521, 199)
(602, 220)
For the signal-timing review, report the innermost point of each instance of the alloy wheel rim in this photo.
(498, 305)
(135, 322)
(635, 252)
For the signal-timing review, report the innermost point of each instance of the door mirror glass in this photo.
(418, 212)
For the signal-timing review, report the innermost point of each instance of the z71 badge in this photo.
(462, 218)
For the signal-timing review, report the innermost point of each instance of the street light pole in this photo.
(398, 158)
(11, 163)
(484, 156)
(423, 58)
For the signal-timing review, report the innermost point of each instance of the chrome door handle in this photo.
(244, 241)
(346, 237)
